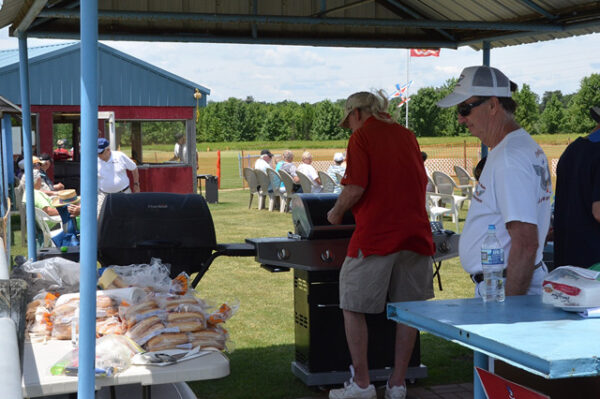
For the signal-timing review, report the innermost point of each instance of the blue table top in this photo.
(521, 331)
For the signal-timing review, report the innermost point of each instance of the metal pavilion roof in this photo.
(344, 23)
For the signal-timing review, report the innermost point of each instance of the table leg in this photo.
(479, 360)
(146, 393)
(436, 272)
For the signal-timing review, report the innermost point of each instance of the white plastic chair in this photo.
(327, 182)
(437, 212)
(250, 177)
(446, 185)
(466, 181)
(288, 184)
(305, 182)
(276, 184)
(42, 219)
(263, 190)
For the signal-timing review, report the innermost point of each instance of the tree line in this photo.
(249, 120)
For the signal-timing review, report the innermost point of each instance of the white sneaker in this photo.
(353, 391)
(395, 392)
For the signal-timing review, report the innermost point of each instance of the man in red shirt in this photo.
(389, 255)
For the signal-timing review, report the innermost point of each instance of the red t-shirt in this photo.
(385, 160)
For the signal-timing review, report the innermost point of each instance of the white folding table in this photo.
(39, 358)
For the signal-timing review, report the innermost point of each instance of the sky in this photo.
(311, 74)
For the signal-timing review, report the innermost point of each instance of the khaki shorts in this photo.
(366, 284)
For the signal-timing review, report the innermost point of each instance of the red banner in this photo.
(424, 52)
(496, 387)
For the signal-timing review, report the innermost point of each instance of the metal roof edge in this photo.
(65, 48)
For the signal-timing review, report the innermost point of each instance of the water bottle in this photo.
(492, 263)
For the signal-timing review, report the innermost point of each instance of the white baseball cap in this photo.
(338, 157)
(482, 81)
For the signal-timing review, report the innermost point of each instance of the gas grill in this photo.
(315, 252)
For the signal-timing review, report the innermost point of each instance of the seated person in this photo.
(288, 166)
(338, 168)
(264, 161)
(61, 153)
(310, 172)
(48, 186)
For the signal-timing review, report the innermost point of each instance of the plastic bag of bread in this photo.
(61, 317)
(180, 284)
(109, 325)
(37, 316)
(222, 314)
(154, 275)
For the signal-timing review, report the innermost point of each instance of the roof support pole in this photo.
(27, 155)
(89, 197)
(8, 178)
(486, 62)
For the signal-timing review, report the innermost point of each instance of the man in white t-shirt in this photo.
(180, 148)
(514, 189)
(264, 161)
(310, 172)
(112, 172)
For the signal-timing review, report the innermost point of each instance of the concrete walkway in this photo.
(452, 391)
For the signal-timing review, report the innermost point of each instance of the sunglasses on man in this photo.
(465, 109)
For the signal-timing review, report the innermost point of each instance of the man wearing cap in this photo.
(264, 161)
(337, 169)
(389, 254)
(48, 186)
(514, 189)
(61, 153)
(577, 204)
(112, 172)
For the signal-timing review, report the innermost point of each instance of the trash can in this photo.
(212, 189)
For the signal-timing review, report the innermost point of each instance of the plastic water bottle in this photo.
(492, 263)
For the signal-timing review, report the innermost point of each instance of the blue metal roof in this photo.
(124, 80)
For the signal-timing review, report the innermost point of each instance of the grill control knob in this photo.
(283, 253)
(326, 256)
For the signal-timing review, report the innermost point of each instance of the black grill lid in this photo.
(177, 228)
(309, 214)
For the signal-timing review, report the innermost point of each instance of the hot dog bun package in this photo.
(571, 286)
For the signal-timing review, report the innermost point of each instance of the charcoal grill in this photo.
(315, 252)
(177, 228)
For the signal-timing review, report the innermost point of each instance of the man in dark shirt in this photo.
(577, 205)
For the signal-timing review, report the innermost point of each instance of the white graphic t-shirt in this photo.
(515, 185)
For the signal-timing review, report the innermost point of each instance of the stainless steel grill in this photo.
(315, 251)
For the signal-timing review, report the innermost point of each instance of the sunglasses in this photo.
(465, 109)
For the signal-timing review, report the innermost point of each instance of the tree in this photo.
(578, 119)
(423, 113)
(553, 117)
(548, 95)
(325, 123)
(527, 113)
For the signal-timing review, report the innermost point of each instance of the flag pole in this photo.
(407, 80)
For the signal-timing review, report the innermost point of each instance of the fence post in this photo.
(242, 170)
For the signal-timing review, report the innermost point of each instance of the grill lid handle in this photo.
(157, 244)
